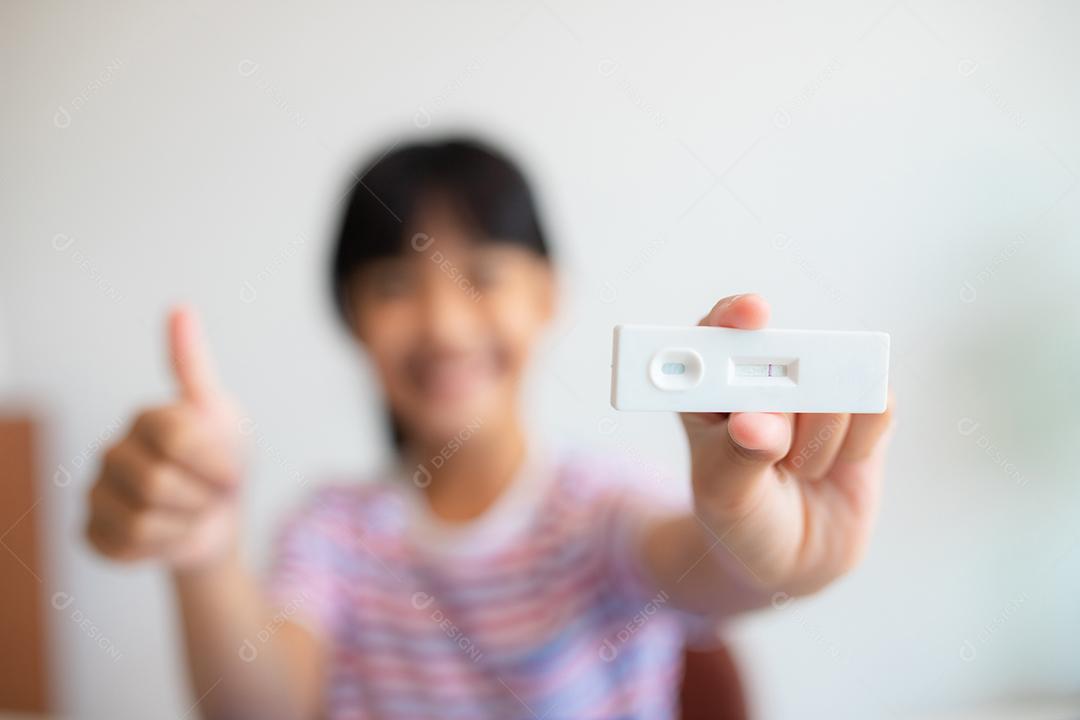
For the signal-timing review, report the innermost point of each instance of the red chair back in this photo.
(711, 687)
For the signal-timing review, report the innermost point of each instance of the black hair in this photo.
(484, 186)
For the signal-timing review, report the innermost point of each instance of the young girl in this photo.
(481, 577)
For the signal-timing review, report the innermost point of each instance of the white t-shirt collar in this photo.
(510, 515)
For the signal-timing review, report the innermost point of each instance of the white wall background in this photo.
(903, 166)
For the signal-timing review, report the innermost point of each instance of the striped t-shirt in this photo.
(536, 609)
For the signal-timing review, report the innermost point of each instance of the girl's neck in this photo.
(471, 479)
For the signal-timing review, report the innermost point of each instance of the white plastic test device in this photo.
(711, 369)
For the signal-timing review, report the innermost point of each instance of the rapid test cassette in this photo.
(711, 369)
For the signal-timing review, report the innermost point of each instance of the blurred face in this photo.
(450, 325)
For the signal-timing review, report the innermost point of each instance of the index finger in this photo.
(193, 439)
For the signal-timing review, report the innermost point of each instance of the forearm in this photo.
(244, 662)
(698, 571)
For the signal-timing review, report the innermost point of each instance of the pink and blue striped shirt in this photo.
(537, 609)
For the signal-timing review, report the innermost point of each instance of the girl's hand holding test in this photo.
(784, 501)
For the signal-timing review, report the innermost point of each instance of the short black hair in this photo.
(484, 185)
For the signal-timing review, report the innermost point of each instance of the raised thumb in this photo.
(190, 357)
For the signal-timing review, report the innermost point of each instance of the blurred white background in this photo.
(907, 166)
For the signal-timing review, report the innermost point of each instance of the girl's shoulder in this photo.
(594, 486)
(588, 472)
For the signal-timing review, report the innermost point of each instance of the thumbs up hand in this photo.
(168, 490)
